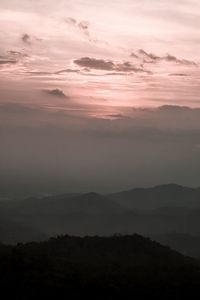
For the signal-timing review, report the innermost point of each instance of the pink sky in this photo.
(99, 95)
(115, 54)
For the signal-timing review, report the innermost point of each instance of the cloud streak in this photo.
(7, 62)
(108, 65)
(152, 58)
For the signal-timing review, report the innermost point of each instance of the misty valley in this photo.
(169, 214)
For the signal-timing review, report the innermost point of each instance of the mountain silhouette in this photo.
(92, 202)
(147, 211)
(97, 267)
(159, 196)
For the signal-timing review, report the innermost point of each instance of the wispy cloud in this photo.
(82, 26)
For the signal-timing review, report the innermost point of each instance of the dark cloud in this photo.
(71, 21)
(108, 65)
(178, 74)
(116, 116)
(149, 55)
(67, 71)
(152, 58)
(165, 109)
(6, 62)
(175, 108)
(93, 63)
(56, 92)
(26, 38)
(38, 73)
(134, 55)
(82, 26)
(128, 67)
(172, 58)
(12, 57)
(114, 74)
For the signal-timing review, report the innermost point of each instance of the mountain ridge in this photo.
(158, 196)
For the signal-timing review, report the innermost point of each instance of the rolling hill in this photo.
(128, 267)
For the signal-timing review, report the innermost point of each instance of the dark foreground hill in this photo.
(121, 267)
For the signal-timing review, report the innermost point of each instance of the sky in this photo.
(98, 95)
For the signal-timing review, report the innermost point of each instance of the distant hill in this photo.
(153, 211)
(124, 267)
(93, 203)
(185, 243)
(159, 196)
(74, 214)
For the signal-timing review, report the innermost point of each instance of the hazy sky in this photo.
(99, 95)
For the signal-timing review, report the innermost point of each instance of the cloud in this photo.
(66, 71)
(149, 55)
(71, 21)
(108, 65)
(12, 57)
(133, 121)
(178, 74)
(116, 116)
(134, 55)
(6, 62)
(152, 58)
(38, 73)
(114, 74)
(26, 38)
(175, 108)
(128, 67)
(165, 109)
(172, 58)
(93, 63)
(56, 92)
(82, 26)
